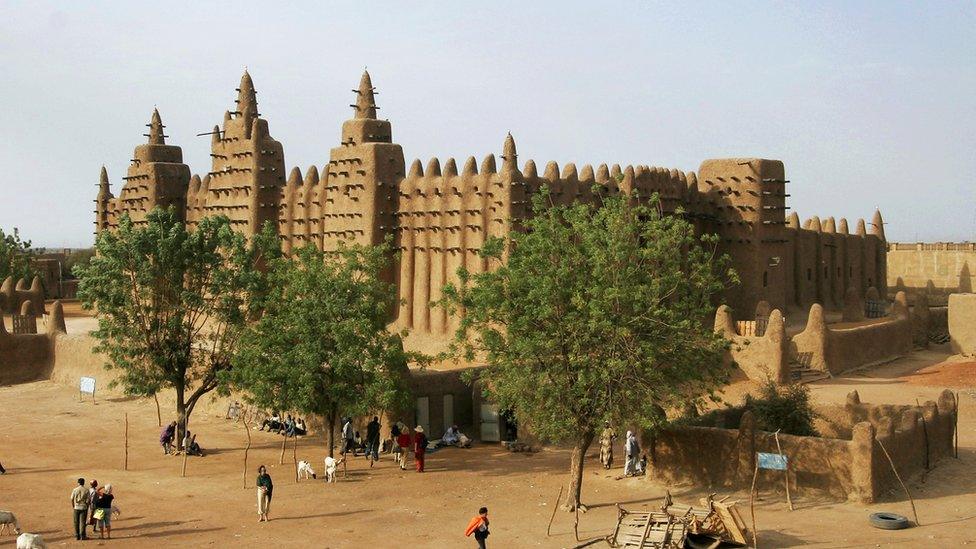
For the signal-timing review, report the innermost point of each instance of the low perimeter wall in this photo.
(856, 469)
(30, 357)
(832, 348)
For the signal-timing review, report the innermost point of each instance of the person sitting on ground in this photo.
(359, 444)
(186, 440)
(454, 437)
(273, 423)
(300, 428)
(450, 437)
(166, 437)
(290, 426)
(192, 448)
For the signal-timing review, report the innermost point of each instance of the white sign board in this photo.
(87, 386)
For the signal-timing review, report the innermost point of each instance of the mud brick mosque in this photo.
(440, 213)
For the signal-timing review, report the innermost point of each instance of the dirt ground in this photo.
(49, 438)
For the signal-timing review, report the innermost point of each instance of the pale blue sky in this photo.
(867, 103)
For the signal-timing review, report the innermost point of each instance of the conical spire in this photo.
(103, 186)
(877, 225)
(365, 98)
(509, 154)
(247, 98)
(156, 136)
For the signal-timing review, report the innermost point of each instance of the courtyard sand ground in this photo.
(48, 439)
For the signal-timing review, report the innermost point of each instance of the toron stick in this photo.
(554, 507)
(159, 417)
(125, 454)
(752, 506)
(895, 471)
(955, 426)
(779, 450)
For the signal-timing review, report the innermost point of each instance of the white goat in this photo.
(305, 470)
(7, 519)
(331, 465)
(30, 541)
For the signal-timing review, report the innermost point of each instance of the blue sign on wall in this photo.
(771, 461)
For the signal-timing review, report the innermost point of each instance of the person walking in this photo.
(403, 443)
(348, 436)
(373, 440)
(395, 448)
(265, 489)
(607, 438)
(632, 453)
(479, 527)
(92, 491)
(419, 447)
(80, 498)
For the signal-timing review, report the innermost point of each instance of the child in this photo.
(479, 527)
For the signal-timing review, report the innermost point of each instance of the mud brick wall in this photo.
(30, 357)
(851, 345)
(916, 437)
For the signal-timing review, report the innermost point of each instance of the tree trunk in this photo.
(247, 430)
(331, 436)
(181, 417)
(576, 471)
(185, 453)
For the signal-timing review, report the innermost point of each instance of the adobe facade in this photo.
(440, 213)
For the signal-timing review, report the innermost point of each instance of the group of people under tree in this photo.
(167, 438)
(290, 427)
(93, 506)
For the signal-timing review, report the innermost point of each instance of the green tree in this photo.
(15, 257)
(76, 259)
(172, 304)
(593, 313)
(322, 346)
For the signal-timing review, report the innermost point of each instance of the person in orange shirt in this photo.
(479, 527)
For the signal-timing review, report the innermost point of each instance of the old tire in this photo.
(889, 521)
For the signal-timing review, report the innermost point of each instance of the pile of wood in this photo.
(676, 526)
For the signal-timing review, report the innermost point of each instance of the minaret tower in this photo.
(104, 204)
(362, 177)
(157, 177)
(248, 166)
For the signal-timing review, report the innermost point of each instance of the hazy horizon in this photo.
(867, 104)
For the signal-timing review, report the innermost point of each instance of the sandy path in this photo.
(48, 439)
